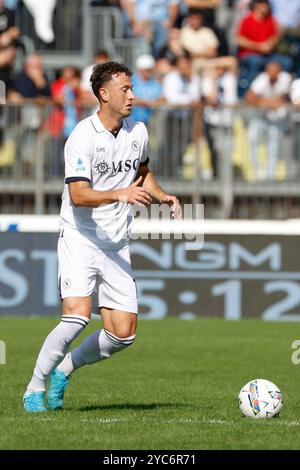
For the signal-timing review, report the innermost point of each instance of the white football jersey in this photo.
(108, 162)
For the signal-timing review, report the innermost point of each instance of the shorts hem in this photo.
(120, 307)
(75, 295)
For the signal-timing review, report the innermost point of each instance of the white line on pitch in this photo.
(275, 422)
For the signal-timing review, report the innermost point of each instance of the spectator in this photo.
(126, 8)
(200, 41)
(202, 44)
(31, 88)
(163, 67)
(8, 41)
(101, 56)
(147, 90)
(32, 82)
(207, 8)
(182, 90)
(152, 20)
(173, 48)
(269, 91)
(7, 59)
(66, 94)
(257, 38)
(295, 92)
(8, 31)
(182, 87)
(64, 116)
(66, 75)
(219, 89)
(295, 117)
(31, 85)
(287, 13)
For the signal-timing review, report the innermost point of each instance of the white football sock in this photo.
(55, 348)
(98, 346)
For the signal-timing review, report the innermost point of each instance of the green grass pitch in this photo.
(176, 388)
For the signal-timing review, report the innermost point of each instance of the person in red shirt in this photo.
(67, 74)
(68, 77)
(257, 38)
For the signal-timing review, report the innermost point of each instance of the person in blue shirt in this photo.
(287, 14)
(152, 20)
(147, 90)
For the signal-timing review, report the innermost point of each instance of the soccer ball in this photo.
(260, 398)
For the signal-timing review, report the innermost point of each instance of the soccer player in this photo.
(106, 166)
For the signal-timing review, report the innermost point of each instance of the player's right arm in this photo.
(82, 195)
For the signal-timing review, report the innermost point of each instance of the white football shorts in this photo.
(85, 269)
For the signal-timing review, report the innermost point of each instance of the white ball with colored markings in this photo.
(260, 398)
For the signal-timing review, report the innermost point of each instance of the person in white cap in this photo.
(148, 91)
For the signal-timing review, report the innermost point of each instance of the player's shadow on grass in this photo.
(133, 406)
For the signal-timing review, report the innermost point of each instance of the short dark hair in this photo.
(103, 73)
(256, 2)
(195, 11)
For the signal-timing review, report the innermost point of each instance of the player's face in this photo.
(120, 95)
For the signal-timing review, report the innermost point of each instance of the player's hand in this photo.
(135, 194)
(173, 203)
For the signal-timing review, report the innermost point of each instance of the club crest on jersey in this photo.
(135, 146)
(67, 283)
(102, 167)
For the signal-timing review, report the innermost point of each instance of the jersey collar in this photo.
(98, 126)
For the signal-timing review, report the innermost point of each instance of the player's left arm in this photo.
(150, 184)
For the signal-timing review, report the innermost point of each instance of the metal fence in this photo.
(246, 154)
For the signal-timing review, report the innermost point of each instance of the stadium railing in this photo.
(31, 156)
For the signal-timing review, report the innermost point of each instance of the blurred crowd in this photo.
(215, 52)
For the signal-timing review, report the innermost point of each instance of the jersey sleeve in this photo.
(145, 148)
(77, 157)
